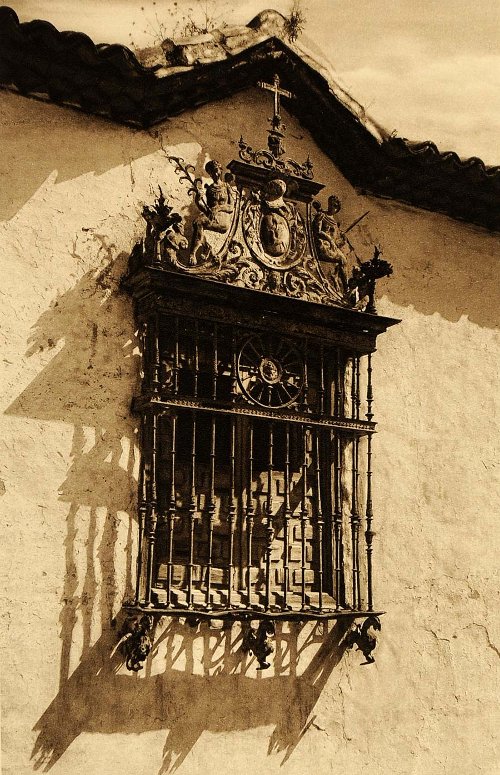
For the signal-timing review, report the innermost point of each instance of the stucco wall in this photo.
(429, 706)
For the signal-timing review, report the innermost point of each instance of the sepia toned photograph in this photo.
(250, 387)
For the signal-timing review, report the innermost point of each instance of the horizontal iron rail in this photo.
(360, 427)
(248, 614)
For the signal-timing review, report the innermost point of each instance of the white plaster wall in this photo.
(429, 706)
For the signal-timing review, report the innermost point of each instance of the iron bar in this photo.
(152, 517)
(171, 507)
(357, 391)
(196, 364)
(175, 375)
(338, 392)
(337, 520)
(358, 525)
(298, 418)
(142, 508)
(156, 354)
(250, 511)
(305, 388)
(287, 514)
(215, 362)
(303, 518)
(319, 515)
(269, 514)
(146, 357)
(355, 522)
(234, 368)
(232, 510)
(321, 379)
(353, 387)
(211, 509)
(369, 506)
(192, 512)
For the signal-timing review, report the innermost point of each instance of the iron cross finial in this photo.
(276, 135)
(277, 91)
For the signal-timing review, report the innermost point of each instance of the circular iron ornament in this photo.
(270, 371)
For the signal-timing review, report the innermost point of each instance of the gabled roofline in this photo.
(108, 80)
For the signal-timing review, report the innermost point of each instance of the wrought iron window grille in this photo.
(256, 408)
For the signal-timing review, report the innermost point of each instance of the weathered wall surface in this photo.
(429, 706)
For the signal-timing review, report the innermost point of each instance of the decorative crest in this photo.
(258, 226)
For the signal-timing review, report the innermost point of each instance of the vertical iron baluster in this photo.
(146, 359)
(192, 512)
(142, 508)
(355, 522)
(353, 387)
(196, 358)
(305, 389)
(337, 519)
(171, 507)
(269, 514)
(250, 511)
(232, 510)
(211, 511)
(369, 507)
(215, 362)
(156, 354)
(338, 390)
(358, 575)
(176, 356)
(369, 389)
(358, 382)
(303, 517)
(234, 368)
(322, 379)
(319, 515)
(287, 513)
(152, 510)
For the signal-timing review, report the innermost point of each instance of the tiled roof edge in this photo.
(109, 80)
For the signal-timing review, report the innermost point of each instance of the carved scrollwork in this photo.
(259, 231)
(268, 160)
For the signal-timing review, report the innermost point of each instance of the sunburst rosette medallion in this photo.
(270, 371)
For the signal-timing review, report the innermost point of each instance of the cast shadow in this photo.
(205, 682)
(70, 147)
(223, 695)
(88, 384)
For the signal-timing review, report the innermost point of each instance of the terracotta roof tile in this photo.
(109, 80)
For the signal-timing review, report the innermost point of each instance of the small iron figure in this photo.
(363, 636)
(362, 282)
(136, 642)
(257, 642)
